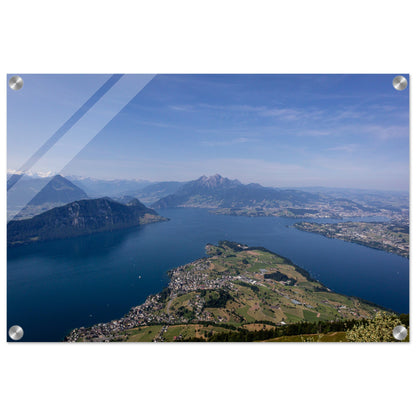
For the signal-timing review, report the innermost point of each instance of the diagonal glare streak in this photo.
(79, 136)
(63, 129)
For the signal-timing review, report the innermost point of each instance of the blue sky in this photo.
(277, 130)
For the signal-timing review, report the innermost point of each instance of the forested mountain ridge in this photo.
(80, 218)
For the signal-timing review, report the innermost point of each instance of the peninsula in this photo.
(235, 288)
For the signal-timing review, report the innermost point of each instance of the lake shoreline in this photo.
(99, 273)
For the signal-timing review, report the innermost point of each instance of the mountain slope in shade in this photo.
(219, 192)
(58, 190)
(24, 191)
(80, 218)
(34, 195)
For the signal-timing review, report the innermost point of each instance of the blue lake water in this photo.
(58, 285)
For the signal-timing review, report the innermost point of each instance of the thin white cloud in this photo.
(288, 114)
(184, 107)
(283, 113)
(315, 132)
(387, 133)
(243, 108)
(348, 114)
(291, 114)
(344, 148)
(239, 140)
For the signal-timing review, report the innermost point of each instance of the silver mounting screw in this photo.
(16, 82)
(399, 332)
(16, 332)
(400, 83)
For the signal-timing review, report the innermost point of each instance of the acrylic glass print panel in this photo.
(207, 208)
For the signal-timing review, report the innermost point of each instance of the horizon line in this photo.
(50, 174)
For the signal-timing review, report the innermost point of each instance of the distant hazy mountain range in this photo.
(101, 187)
(156, 191)
(34, 194)
(391, 200)
(219, 192)
(214, 192)
(146, 191)
(80, 218)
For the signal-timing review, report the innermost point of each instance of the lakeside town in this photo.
(347, 210)
(391, 237)
(192, 277)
